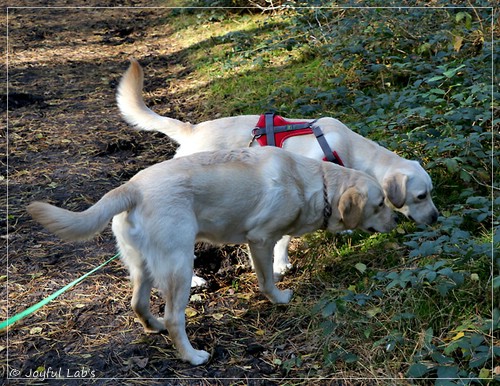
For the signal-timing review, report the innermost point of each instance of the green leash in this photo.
(48, 299)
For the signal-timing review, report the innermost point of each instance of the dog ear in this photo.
(351, 206)
(395, 189)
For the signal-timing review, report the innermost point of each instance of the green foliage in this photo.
(463, 355)
(450, 240)
(463, 358)
(443, 278)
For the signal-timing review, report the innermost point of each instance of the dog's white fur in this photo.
(252, 196)
(406, 184)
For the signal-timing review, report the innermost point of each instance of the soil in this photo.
(68, 145)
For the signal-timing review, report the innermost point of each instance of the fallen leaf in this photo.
(373, 311)
(35, 330)
(141, 362)
(218, 316)
(458, 336)
(196, 298)
(360, 267)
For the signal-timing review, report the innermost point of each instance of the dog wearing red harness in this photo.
(407, 186)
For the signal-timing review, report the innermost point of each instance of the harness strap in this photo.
(301, 128)
(324, 144)
(270, 130)
(280, 129)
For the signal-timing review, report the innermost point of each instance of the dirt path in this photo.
(68, 145)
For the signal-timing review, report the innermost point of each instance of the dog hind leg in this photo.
(176, 291)
(281, 263)
(141, 304)
(142, 285)
(141, 280)
(197, 281)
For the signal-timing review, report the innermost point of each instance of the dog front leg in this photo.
(281, 264)
(262, 261)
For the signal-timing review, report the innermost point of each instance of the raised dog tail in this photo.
(73, 226)
(136, 113)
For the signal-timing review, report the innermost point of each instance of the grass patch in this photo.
(263, 88)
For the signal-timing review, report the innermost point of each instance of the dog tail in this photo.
(136, 113)
(74, 226)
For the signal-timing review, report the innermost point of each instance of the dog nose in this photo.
(434, 217)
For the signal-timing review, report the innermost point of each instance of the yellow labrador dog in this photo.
(406, 184)
(251, 195)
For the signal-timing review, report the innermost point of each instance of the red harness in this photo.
(278, 130)
(280, 137)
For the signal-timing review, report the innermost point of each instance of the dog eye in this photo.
(422, 196)
(381, 204)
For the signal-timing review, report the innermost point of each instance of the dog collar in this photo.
(327, 209)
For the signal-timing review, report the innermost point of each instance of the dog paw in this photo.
(277, 276)
(197, 281)
(282, 297)
(287, 295)
(155, 326)
(280, 271)
(197, 357)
